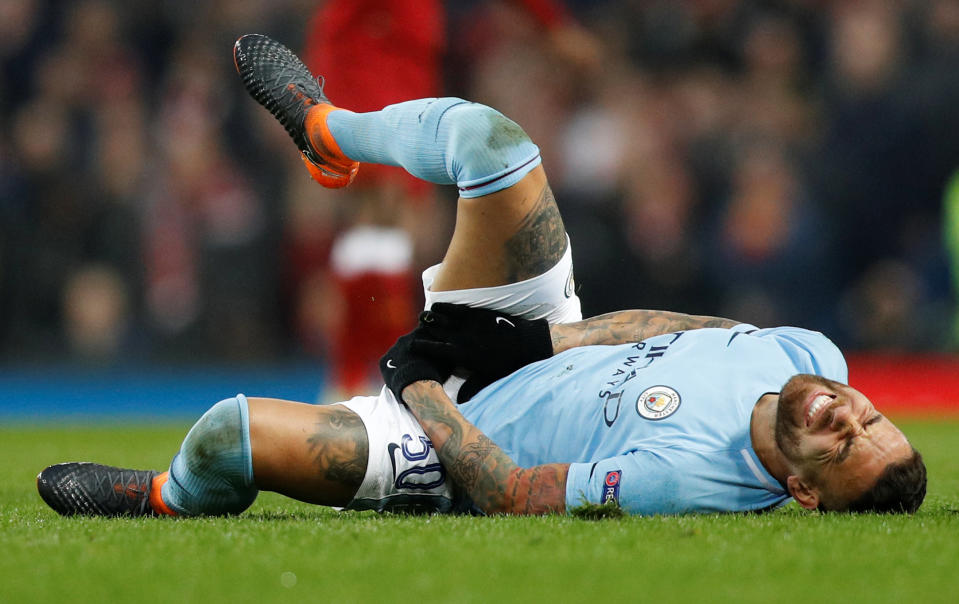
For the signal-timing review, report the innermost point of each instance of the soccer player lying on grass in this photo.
(658, 412)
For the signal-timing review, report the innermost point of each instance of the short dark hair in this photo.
(900, 488)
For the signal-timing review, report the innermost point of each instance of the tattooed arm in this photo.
(491, 479)
(627, 326)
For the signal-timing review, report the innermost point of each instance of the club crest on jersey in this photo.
(658, 402)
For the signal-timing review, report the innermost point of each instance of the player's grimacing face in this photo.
(834, 438)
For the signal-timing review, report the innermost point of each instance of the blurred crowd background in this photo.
(777, 162)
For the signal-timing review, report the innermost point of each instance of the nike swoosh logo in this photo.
(504, 320)
(392, 447)
(389, 364)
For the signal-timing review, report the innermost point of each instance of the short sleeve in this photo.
(668, 481)
(811, 351)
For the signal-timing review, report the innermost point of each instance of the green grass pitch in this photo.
(284, 551)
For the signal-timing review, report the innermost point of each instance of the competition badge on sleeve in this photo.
(611, 486)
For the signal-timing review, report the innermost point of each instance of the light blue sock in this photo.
(444, 141)
(213, 472)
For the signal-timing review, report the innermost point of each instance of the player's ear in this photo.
(805, 494)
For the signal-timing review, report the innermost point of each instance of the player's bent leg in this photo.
(508, 228)
(314, 453)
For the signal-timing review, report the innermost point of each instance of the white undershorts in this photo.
(404, 473)
(549, 296)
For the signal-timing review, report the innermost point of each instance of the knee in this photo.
(223, 432)
(487, 151)
(213, 472)
(480, 129)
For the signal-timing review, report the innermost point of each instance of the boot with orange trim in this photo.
(90, 489)
(278, 80)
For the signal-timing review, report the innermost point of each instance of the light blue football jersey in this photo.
(661, 426)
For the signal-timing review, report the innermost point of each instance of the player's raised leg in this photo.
(508, 228)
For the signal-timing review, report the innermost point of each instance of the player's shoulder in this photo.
(799, 336)
(812, 351)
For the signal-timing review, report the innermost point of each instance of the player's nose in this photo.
(843, 419)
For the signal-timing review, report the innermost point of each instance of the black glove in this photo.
(400, 366)
(488, 344)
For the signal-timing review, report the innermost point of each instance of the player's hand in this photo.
(486, 343)
(400, 366)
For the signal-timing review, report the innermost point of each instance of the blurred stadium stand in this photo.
(772, 161)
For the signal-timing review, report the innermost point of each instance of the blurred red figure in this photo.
(378, 52)
(371, 267)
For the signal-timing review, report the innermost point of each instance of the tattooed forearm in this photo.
(492, 480)
(539, 242)
(533, 487)
(628, 326)
(468, 464)
(340, 459)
